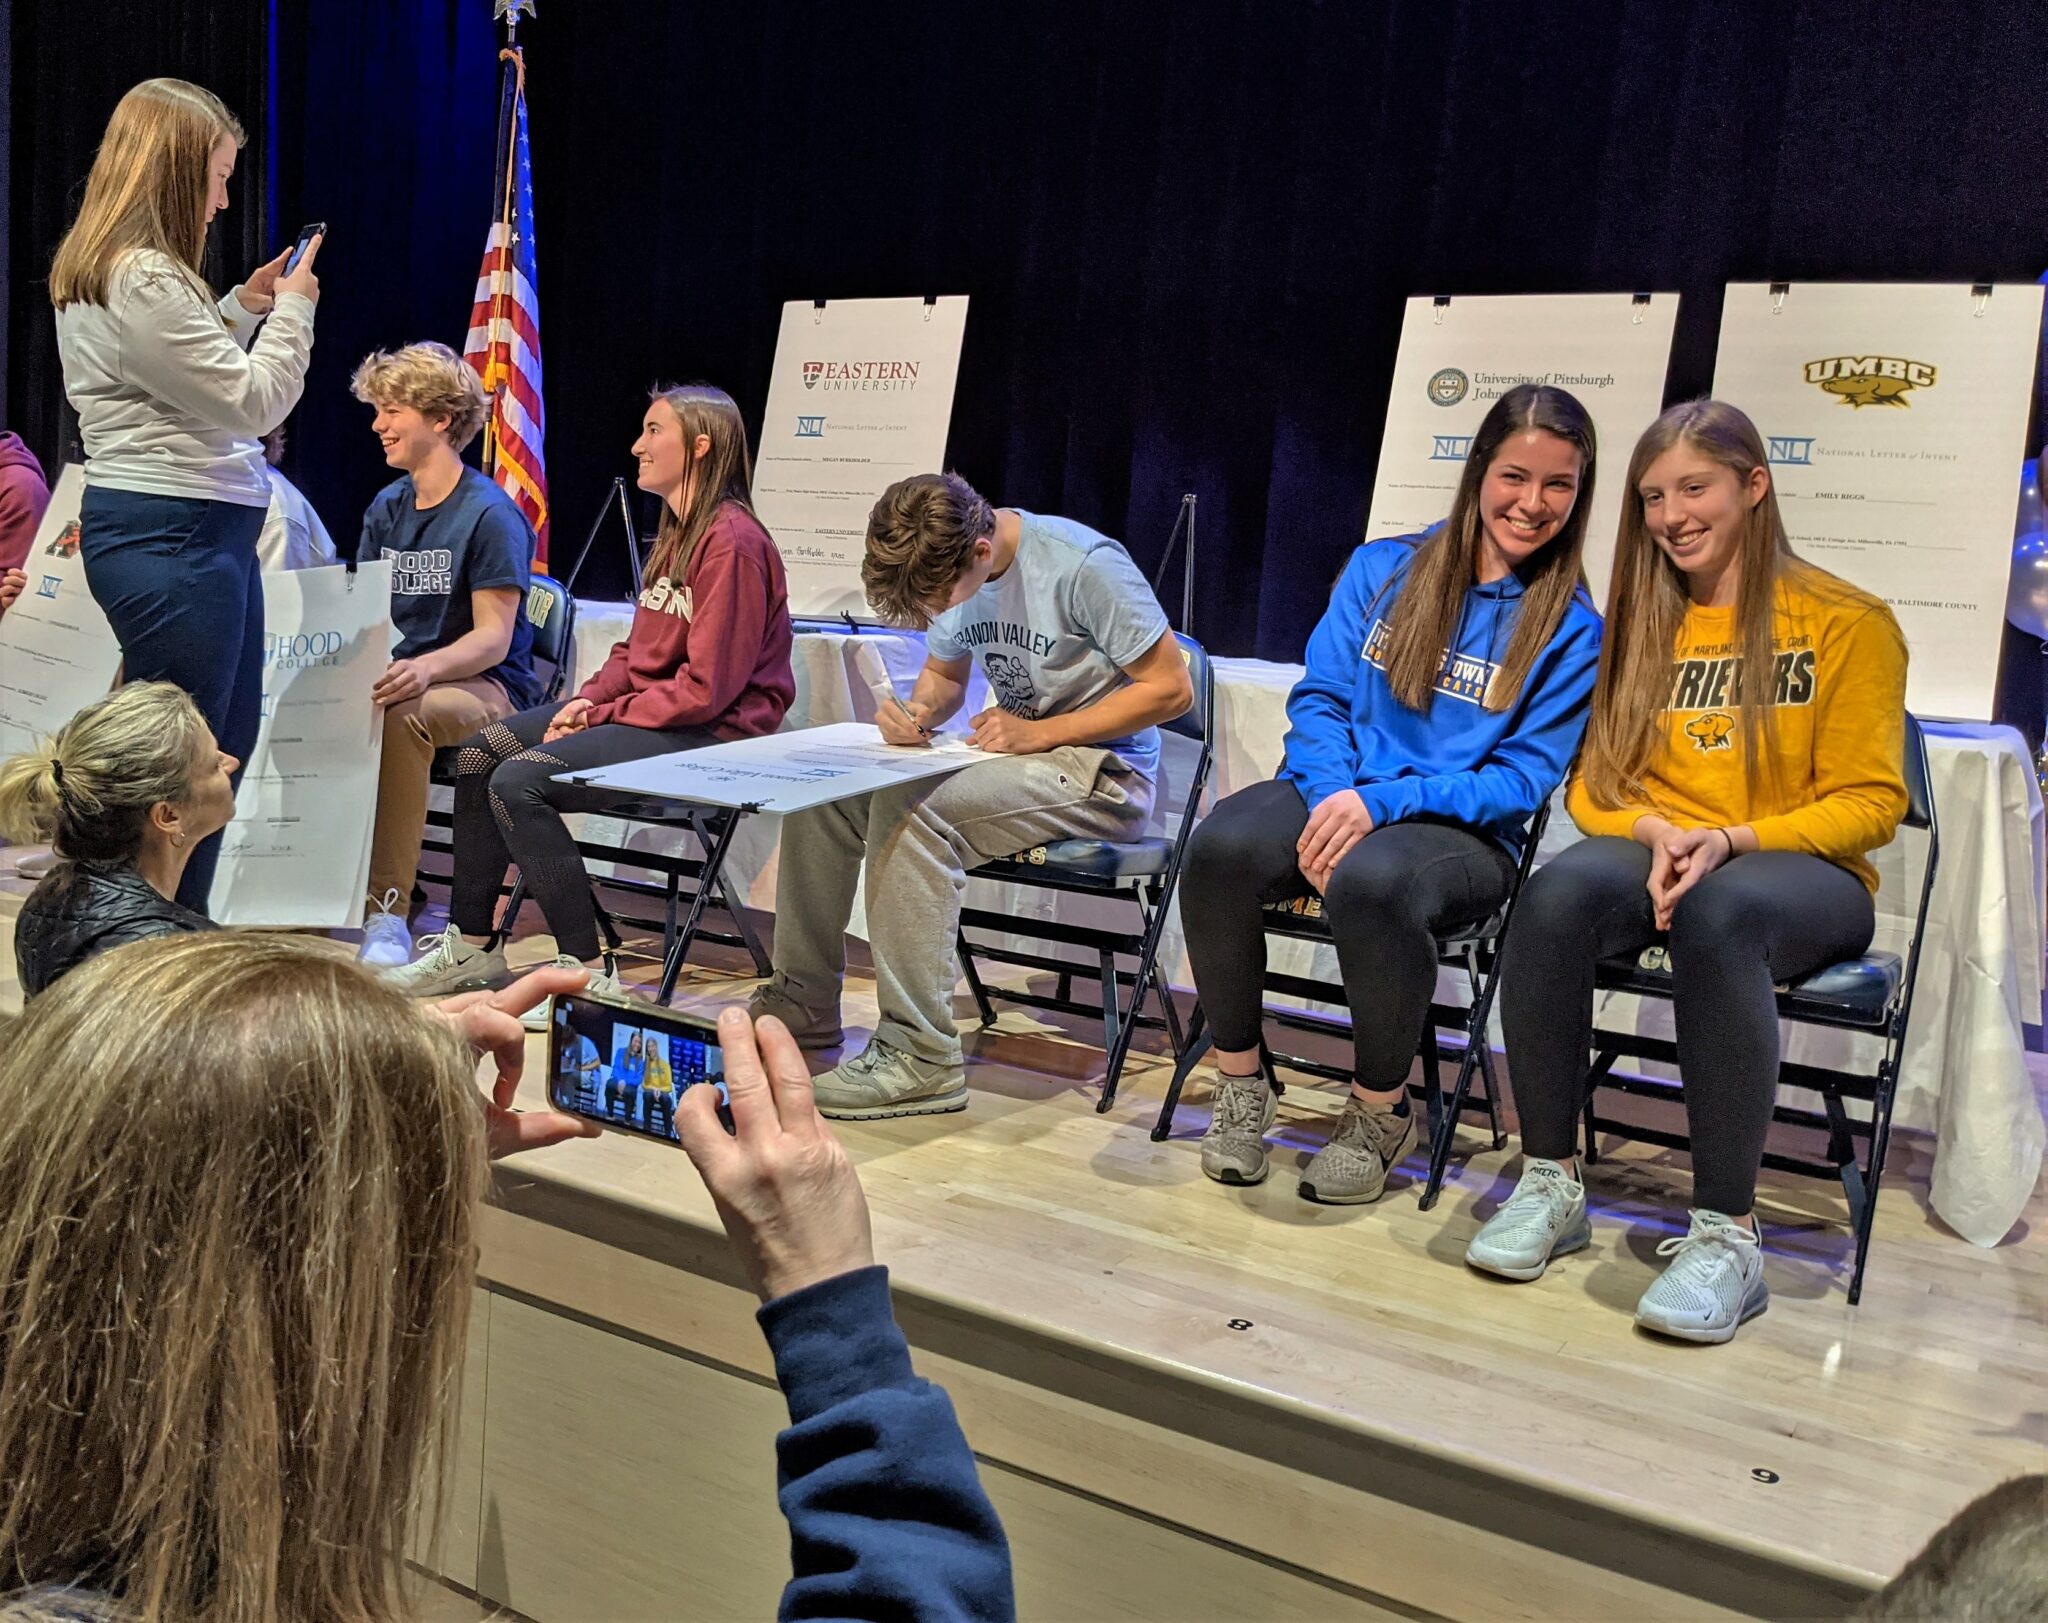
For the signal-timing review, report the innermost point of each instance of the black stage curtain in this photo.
(69, 64)
(1187, 231)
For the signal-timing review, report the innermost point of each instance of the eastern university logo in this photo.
(865, 377)
(1870, 380)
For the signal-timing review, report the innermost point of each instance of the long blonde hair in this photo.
(726, 474)
(1424, 617)
(147, 188)
(88, 789)
(1647, 602)
(236, 1259)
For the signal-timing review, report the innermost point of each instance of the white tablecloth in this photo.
(1964, 1077)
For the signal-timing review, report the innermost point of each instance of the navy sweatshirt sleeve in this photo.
(887, 1518)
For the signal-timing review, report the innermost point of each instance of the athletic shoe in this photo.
(882, 1081)
(387, 943)
(36, 865)
(1712, 1286)
(1234, 1147)
(446, 965)
(600, 985)
(812, 1028)
(1351, 1170)
(1544, 1218)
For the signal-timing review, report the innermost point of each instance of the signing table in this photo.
(1964, 1077)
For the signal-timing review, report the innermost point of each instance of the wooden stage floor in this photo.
(1820, 1448)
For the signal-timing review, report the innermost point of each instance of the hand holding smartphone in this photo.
(627, 1067)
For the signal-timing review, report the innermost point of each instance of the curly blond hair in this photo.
(430, 378)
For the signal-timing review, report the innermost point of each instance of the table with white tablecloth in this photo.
(1964, 1077)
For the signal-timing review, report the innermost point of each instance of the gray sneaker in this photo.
(599, 985)
(1234, 1147)
(1544, 1218)
(36, 865)
(1351, 1170)
(882, 1081)
(812, 1028)
(446, 965)
(1713, 1285)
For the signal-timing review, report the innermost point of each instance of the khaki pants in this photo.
(916, 844)
(447, 713)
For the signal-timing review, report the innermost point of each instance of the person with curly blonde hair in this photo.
(461, 555)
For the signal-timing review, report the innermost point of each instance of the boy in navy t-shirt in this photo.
(461, 557)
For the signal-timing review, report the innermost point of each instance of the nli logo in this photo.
(810, 428)
(1450, 447)
(48, 586)
(1870, 380)
(1791, 450)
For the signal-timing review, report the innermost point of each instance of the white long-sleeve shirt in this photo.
(292, 536)
(170, 401)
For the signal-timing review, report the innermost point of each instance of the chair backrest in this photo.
(1919, 794)
(1198, 721)
(552, 613)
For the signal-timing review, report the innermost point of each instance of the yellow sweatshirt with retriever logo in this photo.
(1834, 785)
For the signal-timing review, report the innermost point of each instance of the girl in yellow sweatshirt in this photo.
(1744, 757)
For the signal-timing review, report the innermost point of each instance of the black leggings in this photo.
(508, 808)
(1766, 917)
(1395, 891)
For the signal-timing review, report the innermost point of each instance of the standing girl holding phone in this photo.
(173, 394)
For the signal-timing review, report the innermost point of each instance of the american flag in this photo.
(504, 323)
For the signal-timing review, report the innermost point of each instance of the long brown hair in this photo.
(147, 188)
(1647, 602)
(1424, 617)
(236, 1258)
(724, 474)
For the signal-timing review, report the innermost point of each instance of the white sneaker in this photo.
(1544, 1218)
(447, 964)
(1234, 1147)
(600, 985)
(36, 865)
(387, 942)
(1713, 1285)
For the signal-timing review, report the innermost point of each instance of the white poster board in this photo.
(57, 652)
(1608, 350)
(298, 852)
(861, 396)
(1895, 418)
(785, 772)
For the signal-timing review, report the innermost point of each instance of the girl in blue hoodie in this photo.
(1444, 697)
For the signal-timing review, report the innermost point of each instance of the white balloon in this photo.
(2026, 591)
(2032, 516)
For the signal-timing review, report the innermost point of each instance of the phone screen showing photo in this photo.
(628, 1068)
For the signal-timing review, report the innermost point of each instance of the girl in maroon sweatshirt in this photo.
(707, 659)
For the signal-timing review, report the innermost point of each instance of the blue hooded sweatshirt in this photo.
(1456, 761)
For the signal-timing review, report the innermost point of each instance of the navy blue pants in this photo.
(178, 581)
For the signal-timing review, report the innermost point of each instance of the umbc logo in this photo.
(810, 428)
(1711, 732)
(1448, 387)
(1870, 380)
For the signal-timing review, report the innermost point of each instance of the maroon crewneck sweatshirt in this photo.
(713, 653)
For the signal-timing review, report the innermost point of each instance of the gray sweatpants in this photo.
(916, 843)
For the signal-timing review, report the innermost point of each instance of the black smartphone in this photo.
(306, 236)
(627, 1066)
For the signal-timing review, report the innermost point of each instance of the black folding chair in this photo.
(1474, 950)
(552, 612)
(1872, 995)
(1143, 871)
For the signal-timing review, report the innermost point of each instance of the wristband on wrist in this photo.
(1730, 838)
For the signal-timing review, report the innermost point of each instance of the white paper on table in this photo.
(861, 395)
(1456, 359)
(1895, 417)
(57, 652)
(298, 851)
(784, 772)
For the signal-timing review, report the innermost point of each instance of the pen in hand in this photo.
(923, 730)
